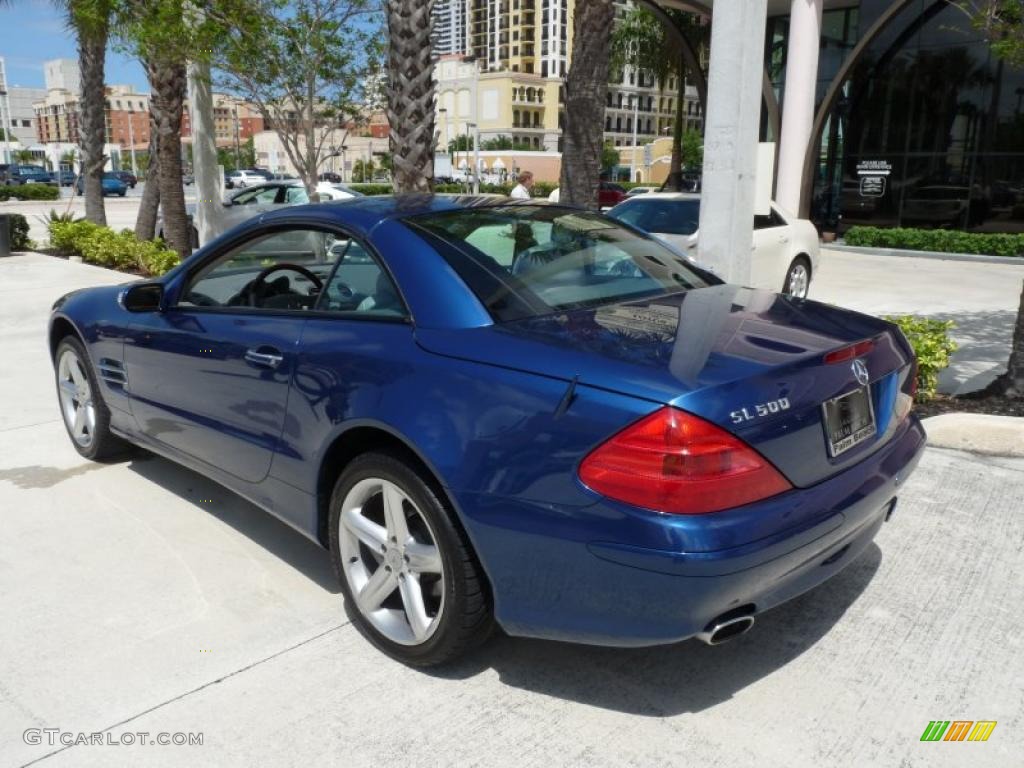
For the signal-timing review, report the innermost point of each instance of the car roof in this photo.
(668, 196)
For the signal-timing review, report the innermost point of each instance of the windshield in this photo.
(524, 261)
(665, 217)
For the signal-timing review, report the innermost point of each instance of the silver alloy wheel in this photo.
(391, 561)
(76, 403)
(799, 280)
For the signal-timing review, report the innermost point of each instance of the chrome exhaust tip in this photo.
(719, 632)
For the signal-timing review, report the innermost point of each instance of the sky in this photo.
(33, 31)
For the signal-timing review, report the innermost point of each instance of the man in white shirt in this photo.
(521, 191)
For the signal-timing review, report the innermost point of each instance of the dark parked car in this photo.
(572, 432)
(29, 174)
(112, 185)
(330, 176)
(127, 177)
(610, 194)
(63, 177)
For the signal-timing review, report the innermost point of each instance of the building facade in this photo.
(451, 32)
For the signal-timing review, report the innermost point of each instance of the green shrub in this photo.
(106, 248)
(372, 189)
(29, 192)
(18, 228)
(939, 240)
(932, 346)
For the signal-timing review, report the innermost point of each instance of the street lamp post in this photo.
(443, 111)
(632, 163)
(131, 141)
(476, 157)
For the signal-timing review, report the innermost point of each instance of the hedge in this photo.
(18, 228)
(107, 248)
(932, 347)
(29, 192)
(940, 240)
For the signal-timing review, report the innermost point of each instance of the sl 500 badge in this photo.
(759, 410)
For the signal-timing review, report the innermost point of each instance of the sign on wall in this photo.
(873, 177)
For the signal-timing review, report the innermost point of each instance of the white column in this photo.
(798, 109)
(208, 175)
(730, 137)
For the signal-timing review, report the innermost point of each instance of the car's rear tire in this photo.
(798, 278)
(408, 573)
(85, 415)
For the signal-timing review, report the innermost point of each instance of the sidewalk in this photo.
(980, 297)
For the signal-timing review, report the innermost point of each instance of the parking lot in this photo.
(141, 597)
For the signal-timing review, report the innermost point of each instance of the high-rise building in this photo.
(528, 36)
(62, 75)
(450, 30)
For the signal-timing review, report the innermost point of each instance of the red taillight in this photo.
(850, 352)
(673, 461)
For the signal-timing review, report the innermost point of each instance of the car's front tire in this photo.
(407, 571)
(798, 278)
(85, 415)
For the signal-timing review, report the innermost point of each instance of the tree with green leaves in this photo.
(609, 158)
(304, 64)
(163, 34)
(692, 150)
(24, 156)
(1002, 23)
(641, 41)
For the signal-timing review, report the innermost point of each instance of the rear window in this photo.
(664, 217)
(525, 261)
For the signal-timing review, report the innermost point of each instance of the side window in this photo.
(360, 285)
(286, 269)
(263, 196)
(296, 195)
(767, 221)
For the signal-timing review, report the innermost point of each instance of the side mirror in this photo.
(143, 297)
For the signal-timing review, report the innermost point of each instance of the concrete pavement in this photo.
(982, 299)
(140, 597)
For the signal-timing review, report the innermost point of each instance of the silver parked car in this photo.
(243, 204)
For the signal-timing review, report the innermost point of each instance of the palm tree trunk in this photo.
(168, 80)
(145, 224)
(411, 94)
(585, 90)
(92, 48)
(1014, 377)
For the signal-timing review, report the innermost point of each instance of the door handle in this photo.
(267, 359)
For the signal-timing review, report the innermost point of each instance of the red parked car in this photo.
(610, 194)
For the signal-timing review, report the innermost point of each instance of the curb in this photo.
(977, 433)
(1013, 261)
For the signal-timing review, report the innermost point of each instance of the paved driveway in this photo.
(981, 298)
(140, 597)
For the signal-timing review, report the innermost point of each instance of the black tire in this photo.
(799, 263)
(465, 620)
(104, 444)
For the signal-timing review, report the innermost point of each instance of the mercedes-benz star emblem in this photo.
(860, 371)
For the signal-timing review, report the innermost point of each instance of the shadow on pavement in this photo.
(258, 525)
(669, 680)
(983, 340)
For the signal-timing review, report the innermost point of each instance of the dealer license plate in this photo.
(849, 420)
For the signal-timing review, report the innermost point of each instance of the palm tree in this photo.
(24, 156)
(159, 34)
(168, 81)
(585, 90)
(90, 20)
(641, 41)
(411, 94)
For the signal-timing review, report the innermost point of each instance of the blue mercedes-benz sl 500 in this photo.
(493, 411)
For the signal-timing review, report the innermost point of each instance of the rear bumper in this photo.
(557, 584)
